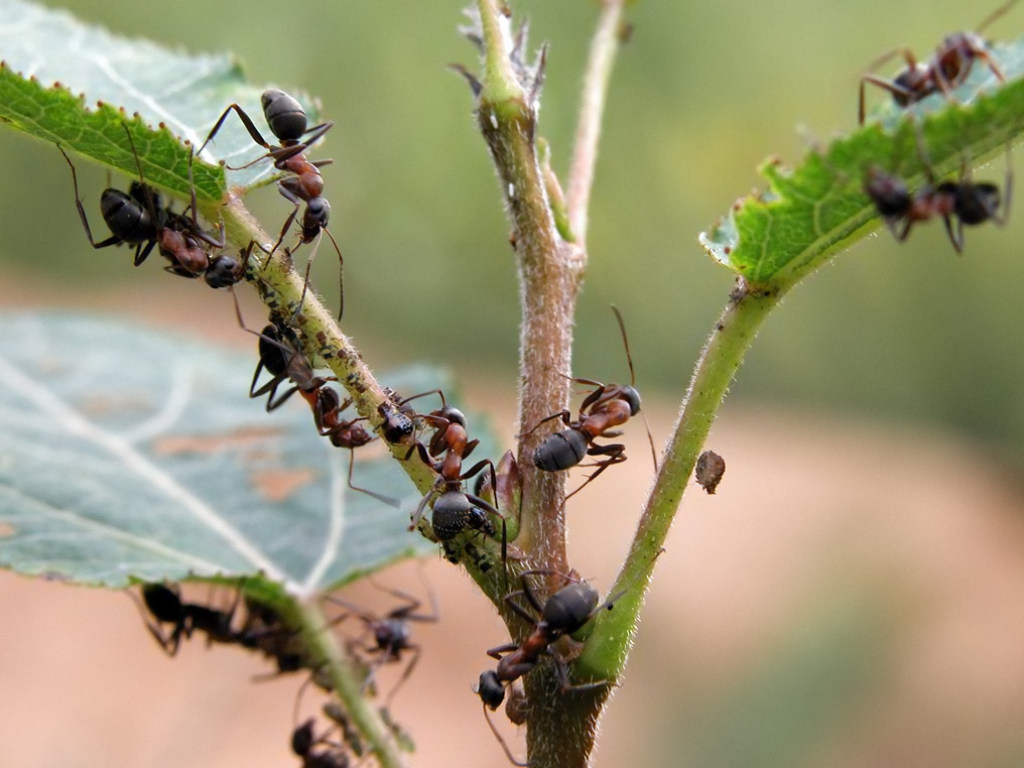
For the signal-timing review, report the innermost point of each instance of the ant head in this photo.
(224, 271)
(570, 607)
(631, 396)
(285, 116)
(909, 84)
(318, 213)
(452, 414)
(490, 689)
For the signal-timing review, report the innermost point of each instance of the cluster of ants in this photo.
(139, 218)
(958, 203)
(382, 640)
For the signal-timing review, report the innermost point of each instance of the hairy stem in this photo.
(549, 275)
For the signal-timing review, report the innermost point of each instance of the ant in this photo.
(392, 634)
(304, 741)
(279, 354)
(947, 69)
(137, 218)
(609, 405)
(564, 613)
(968, 202)
(454, 510)
(288, 122)
(166, 606)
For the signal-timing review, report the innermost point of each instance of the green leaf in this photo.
(130, 455)
(49, 56)
(819, 207)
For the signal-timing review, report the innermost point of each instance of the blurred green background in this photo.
(702, 94)
(907, 335)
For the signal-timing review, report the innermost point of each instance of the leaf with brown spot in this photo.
(193, 479)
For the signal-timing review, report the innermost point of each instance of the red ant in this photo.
(968, 202)
(947, 69)
(392, 635)
(609, 405)
(454, 511)
(564, 613)
(279, 354)
(137, 218)
(288, 122)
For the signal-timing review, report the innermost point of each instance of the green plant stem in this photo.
(348, 683)
(603, 49)
(607, 647)
(281, 287)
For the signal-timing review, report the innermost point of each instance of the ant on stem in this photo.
(564, 613)
(289, 124)
(392, 634)
(947, 69)
(609, 405)
(280, 355)
(454, 510)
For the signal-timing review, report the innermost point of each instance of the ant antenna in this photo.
(625, 343)
(997, 13)
(508, 752)
(632, 378)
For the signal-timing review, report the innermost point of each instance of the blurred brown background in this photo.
(854, 593)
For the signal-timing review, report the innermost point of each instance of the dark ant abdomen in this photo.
(561, 450)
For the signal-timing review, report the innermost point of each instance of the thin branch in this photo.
(348, 683)
(603, 49)
(748, 307)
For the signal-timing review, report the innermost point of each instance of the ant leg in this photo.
(286, 152)
(249, 126)
(141, 256)
(616, 454)
(390, 501)
(496, 652)
(955, 237)
(565, 416)
(207, 238)
(897, 91)
(113, 239)
(286, 191)
(406, 674)
(418, 514)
